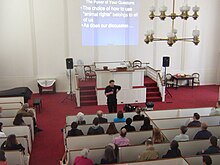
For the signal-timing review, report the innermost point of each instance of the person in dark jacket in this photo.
(214, 148)
(74, 131)
(12, 144)
(207, 160)
(96, 129)
(101, 119)
(19, 120)
(128, 125)
(174, 151)
(204, 133)
(146, 126)
(195, 122)
(138, 117)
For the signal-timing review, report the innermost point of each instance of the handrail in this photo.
(161, 80)
(77, 89)
(153, 69)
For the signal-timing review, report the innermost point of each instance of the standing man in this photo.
(111, 91)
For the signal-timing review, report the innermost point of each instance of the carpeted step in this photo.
(87, 92)
(154, 99)
(152, 89)
(87, 87)
(150, 84)
(88, 97)
(153, 94)
(88, 102)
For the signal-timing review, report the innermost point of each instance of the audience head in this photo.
(146, 121)
(149, 142)
(74, 125)
(218, 104)
(2, 155)
(11, 140)
(18, 119)
(128, 121)
(204, 126)
(112, 83)
(120, 114)
(80, 116)
(206, 160)
(157, 136)
(183, 129)
(99, 113)
(196, 116)
(84, 153)
(112, 129)
(110, 152)
(123, 132)
(96, 121)
(174, 145)
(138, 110)
(25, 106)
(1, 125)
(214, 141)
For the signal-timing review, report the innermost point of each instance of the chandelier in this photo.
(172, 35)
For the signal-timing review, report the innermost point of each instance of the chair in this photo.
(169, 80)
(137, 63)
(88, 72)
(196, 78)
(37, 104)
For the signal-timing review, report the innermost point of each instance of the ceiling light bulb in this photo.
(163, 8)
(196, 8)
(152, 9)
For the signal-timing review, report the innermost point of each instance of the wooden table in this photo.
(188, 78)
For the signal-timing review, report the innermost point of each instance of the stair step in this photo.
(152, 89)
(153, 94)
(87, 87)
(87, 92)
(88, 97)
(88, 102)
(154, 99)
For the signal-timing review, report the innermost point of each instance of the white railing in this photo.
(77, 89)
(156, 76)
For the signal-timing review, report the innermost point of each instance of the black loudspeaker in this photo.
(69, 63)
(166, 61)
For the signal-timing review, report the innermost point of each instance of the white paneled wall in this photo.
(37, 36)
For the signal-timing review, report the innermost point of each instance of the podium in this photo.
(130, 80)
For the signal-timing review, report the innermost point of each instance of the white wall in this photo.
(37, 36)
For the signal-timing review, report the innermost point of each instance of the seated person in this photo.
(2, 134)
(174, 151)
(110, 156)
(120, 117)
(28, 112)
(96, 129)
(182, 136)
(216, 110)
(101, 119)
(111, 130)
(138, 117)
(195, 122)
(74, 131)
(146, 126)
(157, 136)
(80, 118)
(128, 126)
(3, 160)
(19, 120)
(83, 158)
(12, 144)
(204, 133)
(122, 140)
(213, 149)
(207, 160)
(150, 153)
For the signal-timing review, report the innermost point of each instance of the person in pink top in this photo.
(3, 160)
(83, 159)
(121, 140)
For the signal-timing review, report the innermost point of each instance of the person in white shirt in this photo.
(182, 136)
(215, 110)
(2, 134)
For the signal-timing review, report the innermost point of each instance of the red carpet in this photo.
(48, 145)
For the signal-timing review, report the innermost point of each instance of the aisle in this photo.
(48, 145)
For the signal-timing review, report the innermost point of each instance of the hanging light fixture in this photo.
(172, 35)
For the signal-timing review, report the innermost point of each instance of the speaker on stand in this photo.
(69, 67)
(165, 64)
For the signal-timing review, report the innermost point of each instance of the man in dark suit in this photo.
(111, 93)
(101, 119)
(195, 122)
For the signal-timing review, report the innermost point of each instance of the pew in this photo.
(176, 113)
(178, 122)
(22, 139)
(13, 112)
(99, 141)
(198, 159)
(19, 131)
(171, 133)
(28, 120)
(16, 158)
(18, 99)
